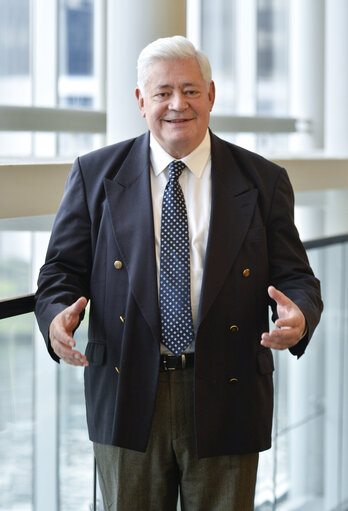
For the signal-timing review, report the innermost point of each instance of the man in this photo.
(180, 241)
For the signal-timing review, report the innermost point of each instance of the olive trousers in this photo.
(151, 481)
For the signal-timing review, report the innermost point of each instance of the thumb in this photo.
(71, 313)
(78, 306)
(278, 296)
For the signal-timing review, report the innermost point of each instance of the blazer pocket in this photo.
(265, 361)
(95, 353)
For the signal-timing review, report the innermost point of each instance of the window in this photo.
(52, 61)
(15, 83)
(248, 45)
(48, 65)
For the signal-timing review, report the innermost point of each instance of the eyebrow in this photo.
(167, 86)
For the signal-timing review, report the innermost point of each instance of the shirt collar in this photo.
(195, 161)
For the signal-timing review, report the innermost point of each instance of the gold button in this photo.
(234, 328)
(122, 319)
(246, 272)
(233, 380)
(118, 265)
(117, 370)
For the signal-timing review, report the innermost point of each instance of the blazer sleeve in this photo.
(289, 268)
(65, 275)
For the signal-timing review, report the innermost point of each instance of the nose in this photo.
(178, 101)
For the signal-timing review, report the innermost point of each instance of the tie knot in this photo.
(175, 169)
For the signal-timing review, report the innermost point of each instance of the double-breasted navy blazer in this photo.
(106, 216)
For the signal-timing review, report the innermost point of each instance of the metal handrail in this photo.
(325, 242)
(17, 306)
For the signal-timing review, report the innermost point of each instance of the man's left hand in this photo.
(291, 323)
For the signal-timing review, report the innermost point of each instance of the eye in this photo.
(191, 93)
(161, 95)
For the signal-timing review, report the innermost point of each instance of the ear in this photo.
(211, 94)
(141, 102)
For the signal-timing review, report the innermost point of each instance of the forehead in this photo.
(174, 72)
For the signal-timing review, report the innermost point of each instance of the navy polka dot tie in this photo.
(175, 286)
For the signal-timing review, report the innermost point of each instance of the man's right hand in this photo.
(61, 333)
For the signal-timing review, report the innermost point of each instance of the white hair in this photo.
(176, 47)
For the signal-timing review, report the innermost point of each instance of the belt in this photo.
(172, 363)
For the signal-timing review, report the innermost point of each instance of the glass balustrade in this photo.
(45, 455)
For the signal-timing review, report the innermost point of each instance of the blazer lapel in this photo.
(233, 205)
(130, 203)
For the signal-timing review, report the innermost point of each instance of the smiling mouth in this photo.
(177, 121)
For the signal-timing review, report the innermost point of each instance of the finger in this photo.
(283, 335)
(277, 344)
(61, 332)
(69, 355)
(76, 358)
(281, 338)
(291, 321)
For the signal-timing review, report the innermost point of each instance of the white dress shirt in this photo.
(195, 182)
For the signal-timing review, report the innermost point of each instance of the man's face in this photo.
(177, 105)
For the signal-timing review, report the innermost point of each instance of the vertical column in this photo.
(245, 64)
(194, 21)
(131, 26)
(46, 477)
(336, 136)
(335, 364)
(344, 387)
(44, 53)
(306, 26)
(44, 68)
(336, 77)
(99, 41)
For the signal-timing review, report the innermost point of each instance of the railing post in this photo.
(94, 484)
